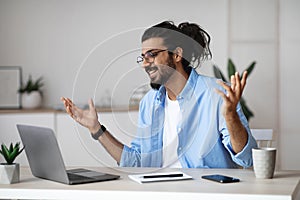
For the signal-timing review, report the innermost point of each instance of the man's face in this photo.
(157, 63)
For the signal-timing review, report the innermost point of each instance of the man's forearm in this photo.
(238, 133)
(112, 145)
(109, 142)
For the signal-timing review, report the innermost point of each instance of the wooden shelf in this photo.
(17, 111)
(51, 110)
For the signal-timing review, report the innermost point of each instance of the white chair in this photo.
(263, 136)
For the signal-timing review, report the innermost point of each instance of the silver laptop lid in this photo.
(43, 153)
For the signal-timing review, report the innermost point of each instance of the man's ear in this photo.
(178, 52)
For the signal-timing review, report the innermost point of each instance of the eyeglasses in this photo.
(149, 56)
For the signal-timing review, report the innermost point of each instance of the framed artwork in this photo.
(10, 82)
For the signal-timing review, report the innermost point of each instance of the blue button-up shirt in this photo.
(204, 140)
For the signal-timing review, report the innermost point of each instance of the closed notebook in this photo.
(158, 177)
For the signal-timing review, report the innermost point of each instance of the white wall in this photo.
(254, 37)
(289, 88)
(268, 32)
(84, 48)
(53, 39)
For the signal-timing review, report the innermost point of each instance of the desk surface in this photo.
(285, 185)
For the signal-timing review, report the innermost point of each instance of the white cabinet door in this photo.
(9, 132)
(79, 149)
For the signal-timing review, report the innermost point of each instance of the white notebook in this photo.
(157, 177)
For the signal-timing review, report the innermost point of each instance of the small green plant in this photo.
(231, 70)
(11, 153)
(32, 85)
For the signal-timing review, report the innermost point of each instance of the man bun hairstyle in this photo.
(189, 36)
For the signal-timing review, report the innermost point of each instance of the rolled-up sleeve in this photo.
(244, 157)
(130, 157)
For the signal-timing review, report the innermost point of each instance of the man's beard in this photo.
(163, 80)
(155, 86)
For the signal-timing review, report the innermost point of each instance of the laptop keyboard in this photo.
(75, 177)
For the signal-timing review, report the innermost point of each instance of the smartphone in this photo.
(221, 178)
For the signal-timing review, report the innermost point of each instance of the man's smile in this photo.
(151, 71)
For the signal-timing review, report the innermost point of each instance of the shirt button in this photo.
(179, 148)
(179, 129)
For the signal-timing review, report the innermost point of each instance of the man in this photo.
(186, 120)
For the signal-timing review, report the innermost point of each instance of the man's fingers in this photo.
(222, 94)
(64, 101)
(226, 87)
(69, 110)
(244, 79)
(69, 101)
(91, 104)
(237, 80)
(238, 83)
(68, 106)
(233, 82)
(223, 84)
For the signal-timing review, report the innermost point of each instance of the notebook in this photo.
(45, 159)
(158, 177)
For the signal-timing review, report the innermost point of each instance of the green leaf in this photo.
(11, 153)
(251, 67)
(231, 68)
(17, 145)
(31, 85)
(20, 151)
(1, 150)
(6, 153)
(11, 147)
(218, 73)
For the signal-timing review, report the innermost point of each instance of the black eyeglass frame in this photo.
(152, 55)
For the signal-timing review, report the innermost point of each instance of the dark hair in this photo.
(189, 36)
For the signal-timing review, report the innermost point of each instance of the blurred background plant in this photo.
(32, 85)
(231, 69)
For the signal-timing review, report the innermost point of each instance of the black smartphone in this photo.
(221, 178)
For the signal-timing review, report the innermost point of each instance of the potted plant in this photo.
(10, 171)
(31, 93)
(231, 70)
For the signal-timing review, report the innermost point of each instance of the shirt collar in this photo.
(187, 91)
(189, 87)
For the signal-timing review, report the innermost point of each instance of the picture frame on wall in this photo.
(10, 82)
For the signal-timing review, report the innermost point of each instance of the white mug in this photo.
(264, 160)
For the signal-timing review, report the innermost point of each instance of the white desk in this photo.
(285, 185)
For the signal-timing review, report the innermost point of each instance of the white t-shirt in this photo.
(170, 136)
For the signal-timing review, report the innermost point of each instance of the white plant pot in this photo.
(9, 173)
(31, 100)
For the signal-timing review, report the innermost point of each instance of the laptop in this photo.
(45, 159)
